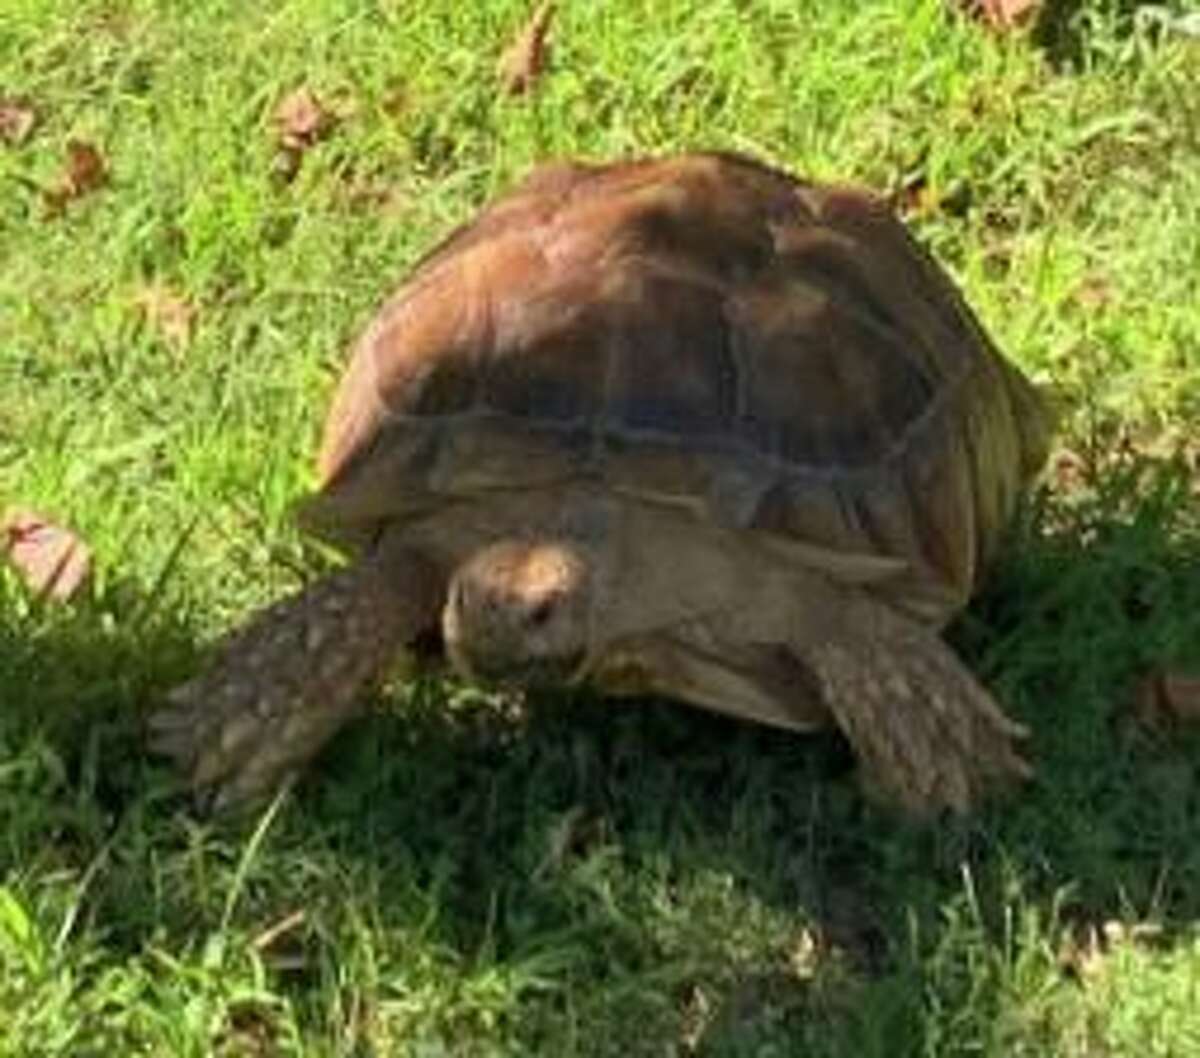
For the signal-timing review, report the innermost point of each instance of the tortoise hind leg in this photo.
(280, 688)
(928, 735)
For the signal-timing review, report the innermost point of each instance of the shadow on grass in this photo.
(521, 822)
(70, 681)
(681, 851)
(1063, 27)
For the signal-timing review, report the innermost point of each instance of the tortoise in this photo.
(686, 427)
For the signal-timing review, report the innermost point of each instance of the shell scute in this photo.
(776, 355)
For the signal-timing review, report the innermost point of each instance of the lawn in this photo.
(573, 878)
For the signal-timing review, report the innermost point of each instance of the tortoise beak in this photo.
(508, 671)
(545, 673)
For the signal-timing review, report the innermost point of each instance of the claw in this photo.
(928, 734)
(284, 684)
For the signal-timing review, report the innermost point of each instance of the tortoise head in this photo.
(519, 613)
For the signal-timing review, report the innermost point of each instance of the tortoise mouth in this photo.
(529, 673)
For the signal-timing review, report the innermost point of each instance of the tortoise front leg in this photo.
(282, 686)
(927, 734)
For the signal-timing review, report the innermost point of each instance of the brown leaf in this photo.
(286, 164)
(168, 313)
(1164, 699)
(85, 172)
(1093, 292)
(696, 1018)
(571, 835)
(17, 119)
(1069, 470)
(301, 120)
(1082, 952)
(1002, 15)
(51, 560)
(1181, 696)
(370, 193)
(908, 193)
(524, 61)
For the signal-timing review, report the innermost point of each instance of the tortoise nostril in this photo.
(541, 613)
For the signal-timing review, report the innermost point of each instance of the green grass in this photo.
(583, 879)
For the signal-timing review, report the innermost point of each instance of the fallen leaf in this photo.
(804, 955)
(1187, 25)
(369, 190)
(524, 61)
(301, 120)
(1164, 699)
(695, 1020)
(85, 172)
(17, 119)
(1129, 933)
(571, 835)
(1069, 469)
(1084, 951)
(1093, 292)
(51, 560)
(1081, 952)
(285, 165)
(910, 195)
(1002, 15)
(168, 313)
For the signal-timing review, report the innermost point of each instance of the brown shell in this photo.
(773, 354)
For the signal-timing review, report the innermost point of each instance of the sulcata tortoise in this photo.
(685, 427)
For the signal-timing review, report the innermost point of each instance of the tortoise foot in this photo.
(928, 735)
(278, 690)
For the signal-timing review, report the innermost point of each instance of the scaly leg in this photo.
(927, 733)
(280, 688)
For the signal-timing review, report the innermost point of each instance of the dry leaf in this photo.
(51, 560)
(695, 1019)
(85, 172)
(370, 193)
(804, 955)
(1069, 470)
(571, 835)
(301, 120)
(1093, 292)
(1164, 699)
(1003, 14)
(1081, 952)
(16, 121)
(168, 313)
(1182, 695)
(285, 165)
(278, 929)
(525, 59)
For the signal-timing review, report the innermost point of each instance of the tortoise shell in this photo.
(766, 353)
